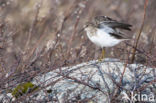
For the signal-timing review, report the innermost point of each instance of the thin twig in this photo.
(34, 23)
(75, 28)
(139, 34)
(146, 85)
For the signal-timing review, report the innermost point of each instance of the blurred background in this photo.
(37, 36)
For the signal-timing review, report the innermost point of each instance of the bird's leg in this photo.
(102, 54)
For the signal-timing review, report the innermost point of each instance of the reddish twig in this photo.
(33, 24)
(75, 28)
(139, 34)
(121, 78)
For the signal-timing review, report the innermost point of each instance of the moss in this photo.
(24, 88)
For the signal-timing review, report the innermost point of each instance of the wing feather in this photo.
(106, 21)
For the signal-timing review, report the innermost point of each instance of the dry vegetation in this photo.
(38, 36)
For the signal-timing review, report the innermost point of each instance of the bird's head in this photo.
(88, 26)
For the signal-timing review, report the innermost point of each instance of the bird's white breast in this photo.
(103, 39)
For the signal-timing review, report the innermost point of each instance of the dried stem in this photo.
(139, 34)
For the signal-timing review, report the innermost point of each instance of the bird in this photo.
(106, 32)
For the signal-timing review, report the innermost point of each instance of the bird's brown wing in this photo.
(119, 35)
(106, 21)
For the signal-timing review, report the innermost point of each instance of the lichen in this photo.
(24, 88)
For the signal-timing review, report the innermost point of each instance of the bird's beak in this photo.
(84, 27)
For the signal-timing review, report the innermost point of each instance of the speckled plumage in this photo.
(104, 32)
